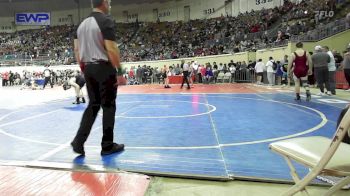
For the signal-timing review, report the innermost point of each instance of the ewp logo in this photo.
(33, 18)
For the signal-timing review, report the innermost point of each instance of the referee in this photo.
(186, 73)
(98, 55)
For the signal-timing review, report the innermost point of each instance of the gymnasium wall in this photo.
(244, 56)
(338, 42)
(146, 12)
(276, 53)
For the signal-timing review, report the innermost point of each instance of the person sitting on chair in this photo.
(208, 75)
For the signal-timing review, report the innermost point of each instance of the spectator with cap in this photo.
(320, 61)
(97, 51)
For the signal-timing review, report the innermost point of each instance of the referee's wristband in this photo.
(119, 71)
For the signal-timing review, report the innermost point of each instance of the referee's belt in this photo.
(97, 62)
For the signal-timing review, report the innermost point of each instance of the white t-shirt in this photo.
(195, 66)
(269, 67)
(185, 67)
(331, 65)
(232, 69)
(220, 67)
(259, 67)
(47, 73)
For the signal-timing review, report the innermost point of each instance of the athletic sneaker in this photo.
(329, 93)
(114, 149)
(77, 101)
(347, 90)
(320, 94)
(308, 96)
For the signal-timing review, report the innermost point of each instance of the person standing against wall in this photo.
(270, 71)
(97, 52)
(331, 70)
(259, 70)
(346, 66)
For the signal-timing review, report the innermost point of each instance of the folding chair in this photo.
(221, 77)
(323, 156)
(227, 77)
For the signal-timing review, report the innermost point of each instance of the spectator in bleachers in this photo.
(171, 40)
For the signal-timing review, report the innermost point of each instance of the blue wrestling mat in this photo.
(216, 136)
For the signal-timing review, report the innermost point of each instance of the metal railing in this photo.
(323, 31)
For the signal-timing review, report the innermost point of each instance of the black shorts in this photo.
(260, 74)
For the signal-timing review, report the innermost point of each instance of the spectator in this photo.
(208, 76)
(259, 70)
(279, 73)
(331, 70)
(270, 71)
(320, 61)
(346, 66)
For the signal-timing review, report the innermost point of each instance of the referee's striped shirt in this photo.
(91, 34)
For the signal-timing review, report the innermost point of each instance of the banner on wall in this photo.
(33, 19)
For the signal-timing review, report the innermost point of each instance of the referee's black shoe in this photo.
(77, 101)
(115, 148)
(77, 149)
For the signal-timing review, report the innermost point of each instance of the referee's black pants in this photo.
(185, 79)
(47, 80)
(102, 90)
(322, 77)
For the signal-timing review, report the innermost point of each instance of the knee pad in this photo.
(305, 83)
